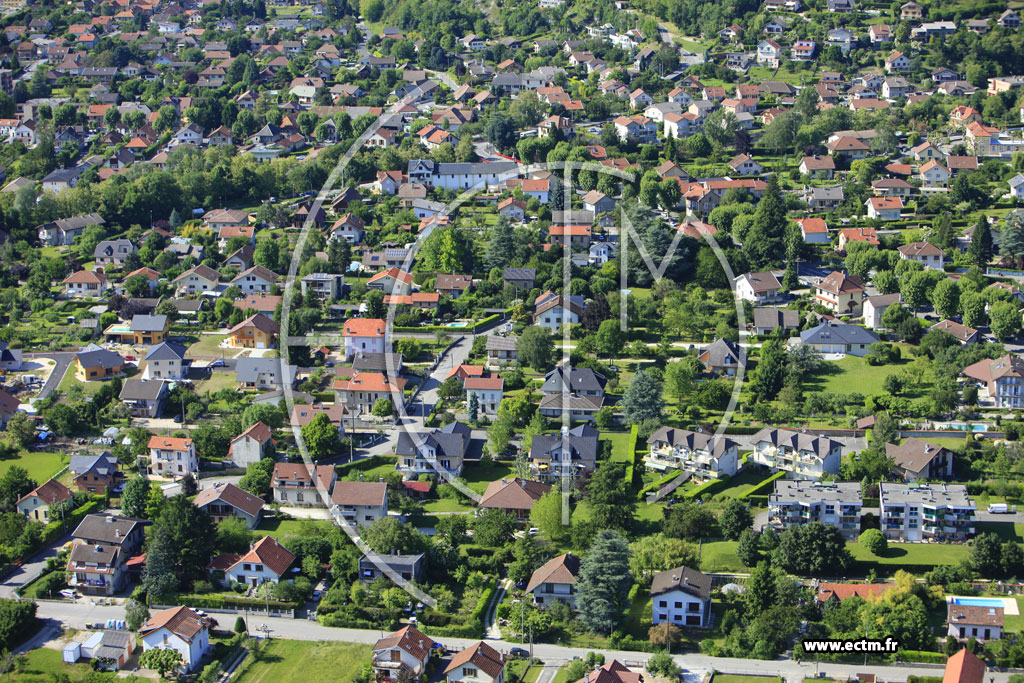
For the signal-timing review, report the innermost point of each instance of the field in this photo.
(279, 528)
(620, 446)
(40, 466)
(919, 554)
(720, 556)
(852, 374)
(478, 475)
(43, 665)
(209, 345)
(292, 660)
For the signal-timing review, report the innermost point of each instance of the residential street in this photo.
(76, 616)
(63, 360)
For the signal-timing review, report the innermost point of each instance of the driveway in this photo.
(63, 361)
(31, 569)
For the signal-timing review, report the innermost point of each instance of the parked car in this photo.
(518, 653)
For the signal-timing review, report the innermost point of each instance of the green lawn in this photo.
(746, 480)
(70, 381)
(447, 505)
(1015, 622)
(478, 475)
(219, 379)
(279, 528)
(305, 662)
(620, 446)
(1007, 531)
(44, 665)
(852, 374)
(40, 466)
(720, 556)
(209, 345)
(920, 554)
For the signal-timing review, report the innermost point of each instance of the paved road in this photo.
(75, 615)
(63, 361)
(31, 569)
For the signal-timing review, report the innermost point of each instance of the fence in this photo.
(273, 612)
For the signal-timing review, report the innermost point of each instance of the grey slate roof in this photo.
(689, 581)
(102, 464)
(148, 323)
(519, 274)
(106, 528)
(693, 441)
(838, 333)
(583, 442)
(776, 317)
(166, 351)
(141, 390)
(96, 356)
(452, 440)
(581, 380)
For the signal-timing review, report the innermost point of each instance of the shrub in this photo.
(874, 541)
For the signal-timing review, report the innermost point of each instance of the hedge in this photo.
(342, 620)
(219, 601)
(921, 657)
(709, 487)
(765, 487)
(742, 430)
(634, 437)
(654, 486)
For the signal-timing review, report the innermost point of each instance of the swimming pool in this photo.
(457, 325)
(978, 602)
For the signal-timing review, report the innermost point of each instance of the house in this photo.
(964, 667)
(925, 253)
(847, 235)
(97, 363)
(255, 332)
(964, 334)
(847, 147)
(555, 580)
(802, 455)
(639, 129)
(85, 283)
(744, 165)
(266, 562)
(796, 502)
(197, 280)
(933, 174)
(292, 483)
(917, 459)
(768, 319)
(227, 501)
(359, 503)
(818, 167)
(983, 623)
(814, 230)
(911, 10)
(521, 278)
(252, 445)
(486, 391)
(181, 629)
(501, 349)
(113, 252)
(430, 452)
(911, 512)
(1016, 184)
(874, 308)
(404, 654)
(103, 544)
(479, 663)
(172, 457)
(394, 281)
(512, 209)
(1001, 379)
(757, 287)
(723, 357)
(556, 310)
(840, 293)
(895, 87)
(388, 567)
(702, 456)
(323, 286)
(460, 176)
(833, 337)
(884, 208)
(559, 456)
(349, 228)
(166, 360)
(142, 330)
(364, 335)
(144, 399)
(453, 286)
(769, 53)
(824, 198)
(514, 496)
(35, 505)
(891, 187)
(803, 50)
(1009, 19)
(597, 202)
(682, 597)
(255, 280)
(263, 373)
(95, 473)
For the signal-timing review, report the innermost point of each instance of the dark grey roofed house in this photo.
(451, 440)
(144, 305)
(723, 355)
(103, 464)
(113, 251)
(690, 581)
(108, 529)
(520, 277)
(166, 351)
(93, 356)
(143, 398)
(767, 319)
(409, 567)
(188, 306)
(582, 443)
(148, 323)
(581, 381)
(377, 362)
(834, 337)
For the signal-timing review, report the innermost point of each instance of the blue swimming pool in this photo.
(978, 602)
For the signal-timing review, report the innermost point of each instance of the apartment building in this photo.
(803, 455)
(703, 456)
(926, 512)
(837, 504)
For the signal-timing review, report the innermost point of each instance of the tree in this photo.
(662, 663)
(763, 245)
(873, 541)
(134, 497)
(546, 515)
(946, 298)
(135, 614)
(1004, 320)
(257, 477)
(536, 348)
(981, 250)
(688, 520)
(450, 389)
(501, 132)
(642, 399)
(321, 437)
(382, 407)
(749, 548)
(603, 582)
(191, 533)
(680, 377)
(610, 338)
(735, 519)
(163, 660)
(986, 555)
(21, 429)
(813, 548)
(494, 528)
(388, 535)
(233, 535)
(527, 556)
(14, 484)
(770, 373)
(612, 505)
(652, 554)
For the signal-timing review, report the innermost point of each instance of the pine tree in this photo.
(980, 252)
(473, 407)
(604, 582)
